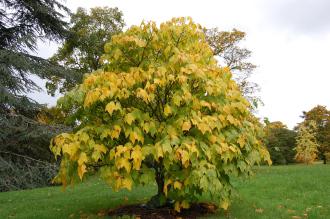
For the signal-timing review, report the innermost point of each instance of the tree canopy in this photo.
(22, 139)
(226, 46)
(307, 147)
(83, 48)
(22, 23)
(280, 142)
(162, 111)
(321, 116)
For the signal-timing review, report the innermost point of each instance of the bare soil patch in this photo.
(142, 212)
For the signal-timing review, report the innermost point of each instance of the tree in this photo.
(83, 49)
(161, 111)
(22, 139)
(280, 142)
(307, 147)
(321, 116)
(22, 23)
(225, 45)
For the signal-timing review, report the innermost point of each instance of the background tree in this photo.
(307, 147)
(321, 116)
(22, 139)
(162, 111)
(225, 45)
(22, 23)
(280, 142)
(82, 50)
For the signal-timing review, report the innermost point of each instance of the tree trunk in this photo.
(159, 200)
(324, 158)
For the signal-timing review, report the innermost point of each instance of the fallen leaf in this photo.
(291, 211)
(101, 213)
(259, 210)
(296, 217)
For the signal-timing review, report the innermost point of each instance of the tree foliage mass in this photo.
(162, 111)
(83, 48)
(280, 142)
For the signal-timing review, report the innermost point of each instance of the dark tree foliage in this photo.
(22, 24)
(280, 142)
(23, 140)
(82, 50)
(25, 158)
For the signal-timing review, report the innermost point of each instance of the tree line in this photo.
(307, 142)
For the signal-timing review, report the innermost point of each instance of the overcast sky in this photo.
(289, 39)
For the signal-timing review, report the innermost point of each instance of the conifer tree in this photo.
(22, 24)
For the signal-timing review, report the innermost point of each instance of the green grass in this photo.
(274, 192)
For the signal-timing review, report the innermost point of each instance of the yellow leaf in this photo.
(82, 158)
(112, 154)
(206, 104)
(213, 139)
(177, 185)
(112, 106)
(159, 151)
(141, 93)
(123, 163)
(81, 171)
(167, 110)
(105, 92)
(203, 127)
(172, 133)
(183, 155)
(222, 118)
(231, 119)
(133, 136)
(115, 132)
(136, 155)
(241, 141)
(100, 148)
(91, 97)
(167, 182)
(177, 100)
(127, 183)
(186, 126)
(129, 118)
(224, 204)
(120, 149)
(177, 206)
(71, 148)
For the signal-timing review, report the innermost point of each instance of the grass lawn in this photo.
(296, 191)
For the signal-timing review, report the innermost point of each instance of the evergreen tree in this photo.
(22, 24)
(23, 140)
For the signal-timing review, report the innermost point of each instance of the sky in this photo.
(289, 40)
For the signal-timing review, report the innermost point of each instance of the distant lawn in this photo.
(296, 191)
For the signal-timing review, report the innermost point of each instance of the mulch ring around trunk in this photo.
(142, 212)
